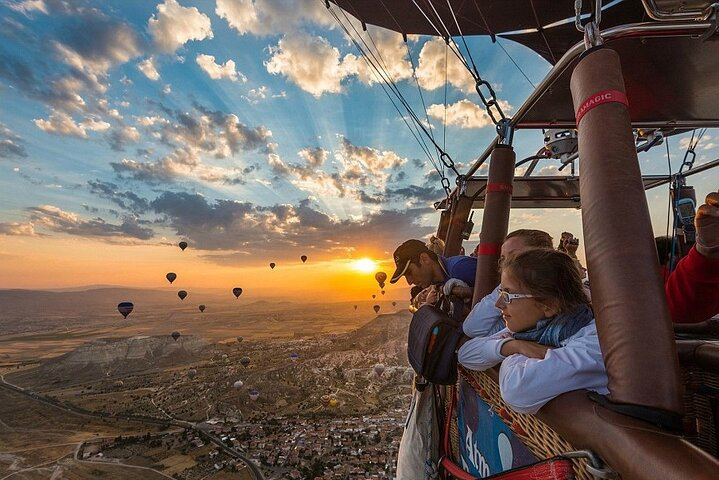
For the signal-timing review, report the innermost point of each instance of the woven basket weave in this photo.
(701, 395)
(541, 440)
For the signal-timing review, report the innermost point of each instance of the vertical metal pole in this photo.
(635, 330)
(460, 213)
(495, 221)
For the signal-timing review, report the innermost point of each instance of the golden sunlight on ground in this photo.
(364, 265)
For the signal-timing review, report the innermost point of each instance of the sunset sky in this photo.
(252, 130)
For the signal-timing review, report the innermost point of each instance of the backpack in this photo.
(432, 343)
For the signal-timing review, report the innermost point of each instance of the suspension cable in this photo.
(374, 64)
(420, 141)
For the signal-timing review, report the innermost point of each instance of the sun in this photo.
(364, 265)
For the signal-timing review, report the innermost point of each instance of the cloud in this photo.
(127, 200)
(361, 172)
(18, 229)
(26, 6)
(149, 69)
(54, 219)
(217, 71)
(281, 229)
(271, 17)
(122, 136)
(432, 72)
(310, 62)
(11, 145)
(60, 123)
(465, 114)
(175, 25)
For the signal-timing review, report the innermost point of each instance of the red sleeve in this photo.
(692, 289)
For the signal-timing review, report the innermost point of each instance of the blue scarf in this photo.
(553, 331)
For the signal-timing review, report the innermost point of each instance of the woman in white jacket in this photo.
(550, 344)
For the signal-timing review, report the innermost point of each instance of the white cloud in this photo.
(268, 17)
(61, 123)
(94, 124)
(174, 25)
(218, 71)
(310, 62)
(390, 52)
(26, 6)
(465, 114)
(18, 229)
(149, 69)
(432, 72)
(167, 89)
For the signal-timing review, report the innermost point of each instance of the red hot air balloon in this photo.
(374, 296)
(182, 294)
(175, 335)
(382, 292)
(376, 308)
(303, 258)
(237, 291)
(182, 245)
(272, 265)
(380, 277)
(202, 308)
(394, 304)
(125, 308)
(171, 277)
(355, 307)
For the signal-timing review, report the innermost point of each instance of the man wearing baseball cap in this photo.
(422, 267)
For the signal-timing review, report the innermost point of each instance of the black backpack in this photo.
(432, 343)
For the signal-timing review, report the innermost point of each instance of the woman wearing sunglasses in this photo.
(550, 344)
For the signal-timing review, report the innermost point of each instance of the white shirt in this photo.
(526, 384)
(485, 319)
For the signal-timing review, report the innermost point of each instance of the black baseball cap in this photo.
(404, 254)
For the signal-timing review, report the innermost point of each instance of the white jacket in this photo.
(526, 384)
(485, 319)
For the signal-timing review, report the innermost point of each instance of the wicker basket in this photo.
(541, 440)
(701, 404)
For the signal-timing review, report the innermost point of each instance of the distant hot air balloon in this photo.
(182, 294)
(171, 277)
(294, 356)
(303, 258)
(238, 384)
(192, 373)
(239, 339)
(379, 369)
(394, 304)
(380, 277)
(202, 308)
(355, 307)
(224, 356)
(182, 245)
(382, 292)
(237, 291)
(118, 383)
(374, 296)
(325, 398)
(376, 308)
(333, 402)
(175, 335)
(272, 265)
(245, 361)
(254, 394)
(125, 308)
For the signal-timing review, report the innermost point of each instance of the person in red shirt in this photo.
(692, 289)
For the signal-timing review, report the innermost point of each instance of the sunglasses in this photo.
(508, 297)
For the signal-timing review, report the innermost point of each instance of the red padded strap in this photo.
(499, 187)
(599, 98)
(489, 249)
